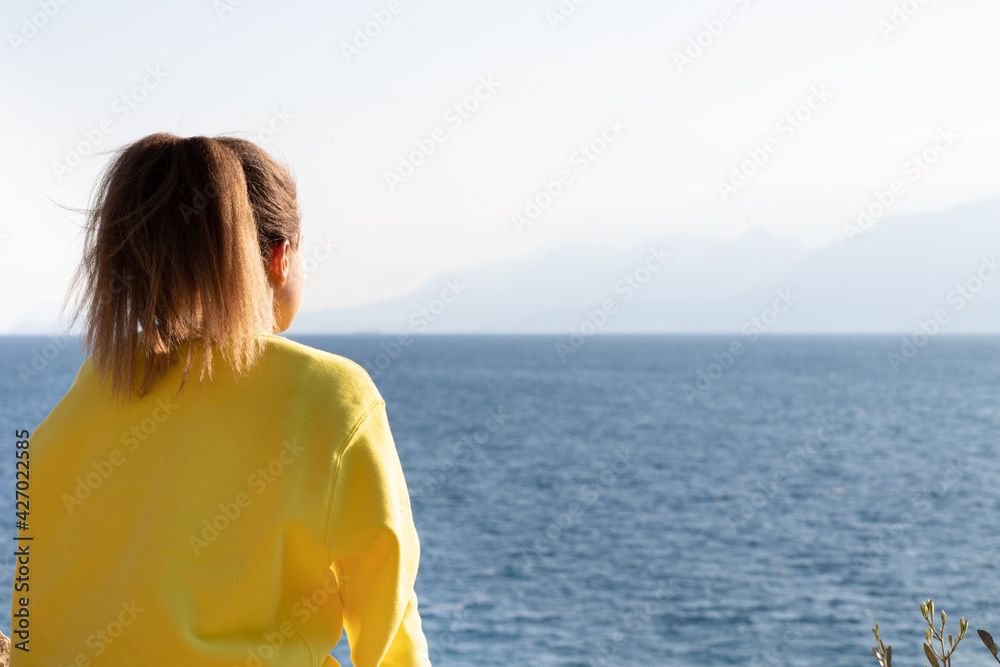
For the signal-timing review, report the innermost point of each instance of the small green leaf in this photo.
(988, 640)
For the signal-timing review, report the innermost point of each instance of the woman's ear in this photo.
(279, 264)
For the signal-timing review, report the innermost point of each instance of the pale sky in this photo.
(224, 66)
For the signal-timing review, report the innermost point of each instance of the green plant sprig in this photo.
(942, 659)
(883, 652)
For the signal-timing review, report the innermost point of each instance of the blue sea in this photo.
(657, 501)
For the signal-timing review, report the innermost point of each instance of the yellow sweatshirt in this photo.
(244, 522)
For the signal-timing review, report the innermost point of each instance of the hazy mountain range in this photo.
(894, 275)
(887, 280)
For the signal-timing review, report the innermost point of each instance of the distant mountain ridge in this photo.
(886, 281)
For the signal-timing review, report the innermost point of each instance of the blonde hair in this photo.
(176, 243)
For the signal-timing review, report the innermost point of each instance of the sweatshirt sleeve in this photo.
(374, 548)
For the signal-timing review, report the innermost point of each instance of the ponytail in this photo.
(176, 245)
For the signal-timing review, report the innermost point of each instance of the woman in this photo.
(245, 517)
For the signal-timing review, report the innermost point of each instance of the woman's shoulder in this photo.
(319, 370)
